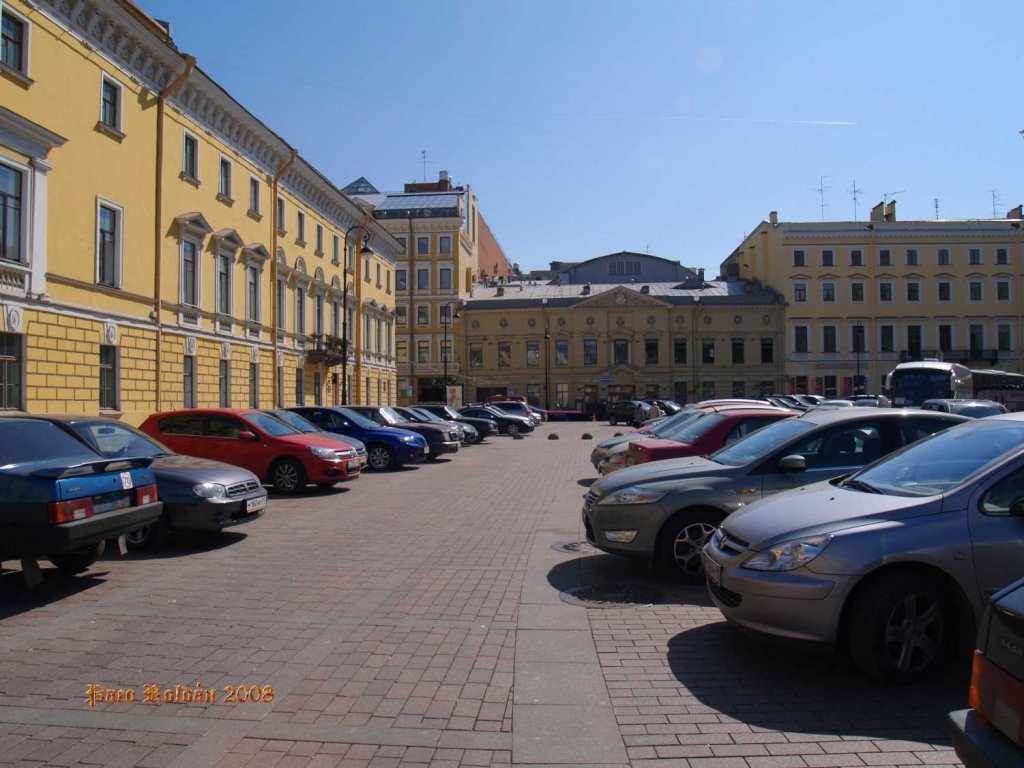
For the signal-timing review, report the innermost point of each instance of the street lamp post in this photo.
(447, 318)
(364, 251)
(547, 370)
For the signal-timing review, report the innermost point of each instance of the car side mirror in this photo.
(247, 435)
(1017, 508)
(792, 464)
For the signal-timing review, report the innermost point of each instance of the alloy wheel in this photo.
(914, 632)
(512, 429)
(136, 538)
(379, 458)
(688, 546)
(286, 477)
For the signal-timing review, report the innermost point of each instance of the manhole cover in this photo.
(574, 547)
(611, 596)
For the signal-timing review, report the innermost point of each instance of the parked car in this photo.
(542, 411)
(467, 434)
(810, 400)
(831, 405)
(507, 423)
(989, 734)
(505, 398)
(784, 401)
(718, 428)
(440, 439)
(198, 494)
(62, 500)
(484, 427)
(604, 448)
(894, 562)
(516, 409)
(625, 411)
(306, 427)
(667, 510)
(275, 452)
(973, 409)
(878, 401)
(387, 447)
(668, 407)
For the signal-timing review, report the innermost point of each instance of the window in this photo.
(476, 355)
(679, 351)
(1004, 336)
(767, 351)
(943, 257)
(190, 161)
(799, 293)
(830, 386)
(366, 270)
(707, 350)
(504, 354)
(10, 212)
(913, 292)
(350, 257)
(224, 185)
(318, 385)
(1003, 290)
(885, 291)
(403, 243)
(856, 258)
(350, 324)
(444, 244)
(367, 332)
(280, 216)
(850, 445)
(562, 352)
(799, 259)
(624, 268)
(887, 338)
(300, 223)
(533, 394)
(858, 338)
(224, 384)
(738, 352)
(318, 315)
(10, 369)
(828, 259)
(110, 103)
(300, 387)
(12, 43)
(828, 292)
(974, 290)
(974, 256)
(400, 280)
(403, 352)
(252, 294)
(300, 311)
(224, 283)
(254, 195)
(446, 350)
(422, 279)
(108, 246)
(189, 381)
(108, 378)
(857, 292)
(401, 315)
(650, 351)
(590, 351)
(829, 341)
(945, 338)
(801, 339)
(281, 305)
(319, 238)
(912, 258)
(387, 281)
(422, 246)
(999, 499)
(739, 389)
(945, 290)
(620, 352)
(423, 315)
(335, 249)
(1002, 256)
(445, 278)
(280, 386)
(254, 385)
(561, 395)
(533, 353)
(885, 258)
(707, 390)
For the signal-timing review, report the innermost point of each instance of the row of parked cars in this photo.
(71, 483)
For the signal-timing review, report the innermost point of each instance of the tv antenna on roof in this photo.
(423, 162)
(997, 200)
(821, 189)
(887, 195)
(853, 192)
(936, 209)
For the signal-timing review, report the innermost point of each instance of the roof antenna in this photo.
(936, 209)
(821, 189)
(648, 249)
(887, 195)
(854, 191)
(997, 200)
(423, 162)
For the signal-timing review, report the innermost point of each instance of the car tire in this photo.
(900, 627)
(680, 541)
(79, 560)
(150, 537)
(288, 476)
(612, 420)
(380, 457)
(511, 430)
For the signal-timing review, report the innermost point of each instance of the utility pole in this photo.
(853, 192)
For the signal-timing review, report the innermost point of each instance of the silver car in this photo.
(666, 510)
(894, 562)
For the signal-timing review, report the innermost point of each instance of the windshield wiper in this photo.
(860, 485)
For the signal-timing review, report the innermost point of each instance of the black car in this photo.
(198, 494)
(484, 427)
(306, 427)
(440, 439)
(469, 434)
(506, 423)
(625, 411)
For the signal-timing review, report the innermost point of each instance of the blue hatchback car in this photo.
(386, 447)
(61, 500)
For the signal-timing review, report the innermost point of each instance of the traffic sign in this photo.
(606, 379)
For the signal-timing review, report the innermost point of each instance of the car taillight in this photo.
(998, 697)
(145, 494)
(68, 511)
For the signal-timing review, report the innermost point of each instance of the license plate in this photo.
(713, 570)
(353, 464)
(427, 449)
(255, 504)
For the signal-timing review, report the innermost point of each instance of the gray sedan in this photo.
(894, 562)
(667, 510)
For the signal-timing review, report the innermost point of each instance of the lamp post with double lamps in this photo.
(447, 318)
(364, 251)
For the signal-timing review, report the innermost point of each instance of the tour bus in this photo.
(910, 384)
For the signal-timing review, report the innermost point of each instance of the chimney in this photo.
(586, 290)
(1016, 213)
(500, 291)
(700, 274)
(645, 289)
(773, 218)
(890, 212)
(748, 287)
(877, 213)
(444, 184)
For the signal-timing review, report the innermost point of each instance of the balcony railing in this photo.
(329, 350)
(973, 355)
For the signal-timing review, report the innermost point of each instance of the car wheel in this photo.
(899, 628)
(70, 563)
(680, 543)
(512, 429)
(149, 537)
(612, 420)
(380, 457)
(288, 476)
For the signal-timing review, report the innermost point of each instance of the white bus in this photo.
(910, 384)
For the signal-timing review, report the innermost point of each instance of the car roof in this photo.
(839, 415)
(741, 411)
(754, 407)
(206, 412)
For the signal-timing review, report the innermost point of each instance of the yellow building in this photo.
(160, 246)
(864, 296)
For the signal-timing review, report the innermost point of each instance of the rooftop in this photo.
(531, 294)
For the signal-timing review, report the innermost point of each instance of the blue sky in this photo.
(587, 127)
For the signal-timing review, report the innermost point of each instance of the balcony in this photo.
(328, 350)
(962, 356)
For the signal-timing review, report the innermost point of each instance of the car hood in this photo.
(339, 438)
(389, 433)
(473, 421)
(659, 472)
(422, 429)
(314, 439)
(819, 509)
(613, 442)
(193, 470)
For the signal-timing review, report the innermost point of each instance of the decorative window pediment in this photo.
(194, 223)
(255, 252)
(23, 135)
(228, 238)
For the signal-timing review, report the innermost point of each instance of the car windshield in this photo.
(759, 444)
(450, 413)
(358, 419)
(407, 414)
(296, 421)
(26, 441)
(979, 411)
(391, 416)
(115, 440)
(697, 429)
(270, 425)
(425, 414)
(671, 426)
(945, 460)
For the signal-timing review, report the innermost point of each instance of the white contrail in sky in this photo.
(728, 120)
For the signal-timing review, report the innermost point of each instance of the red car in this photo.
(275, 452)
(713, 431)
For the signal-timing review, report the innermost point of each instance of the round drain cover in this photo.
(575, 547)
(611, 596)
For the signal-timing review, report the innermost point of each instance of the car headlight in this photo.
(788, 555)
(407, 439)
(633, 496)
(323, 453)
(210, 491)
(616, 458)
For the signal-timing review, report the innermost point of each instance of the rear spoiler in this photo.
(58, 471)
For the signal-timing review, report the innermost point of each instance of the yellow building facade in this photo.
(161, 247)
(864, 296)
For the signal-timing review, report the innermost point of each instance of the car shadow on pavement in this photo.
(311, 491)
(16, 598)
(626, 576)
(587, 482)
(182, 544)
(785, 689)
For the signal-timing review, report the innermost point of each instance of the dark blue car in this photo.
(386, 447)
(61, 500)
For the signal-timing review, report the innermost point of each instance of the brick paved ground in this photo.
(411, 619)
